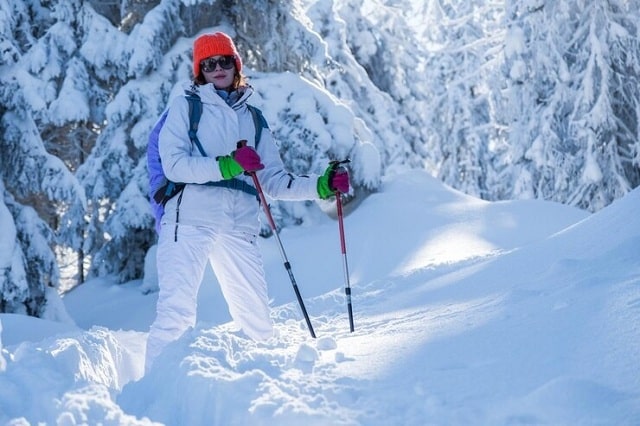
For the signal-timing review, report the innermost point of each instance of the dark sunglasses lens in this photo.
(227, 62)
(210, 64)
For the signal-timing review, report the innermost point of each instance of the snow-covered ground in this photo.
(466, 312)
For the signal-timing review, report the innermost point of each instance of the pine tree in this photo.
(120, 227)
(572, 137)
(36, 186)
(462, 136)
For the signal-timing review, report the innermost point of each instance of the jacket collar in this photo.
(209, 94)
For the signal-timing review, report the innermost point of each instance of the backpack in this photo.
(162, 189)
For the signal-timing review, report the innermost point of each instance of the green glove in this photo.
(229, 168)
(323, 187)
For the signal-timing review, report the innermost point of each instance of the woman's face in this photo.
(219, 70)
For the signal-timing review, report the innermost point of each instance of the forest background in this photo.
(506, 99)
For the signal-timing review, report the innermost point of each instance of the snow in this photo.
(7, 244)
(466, 312)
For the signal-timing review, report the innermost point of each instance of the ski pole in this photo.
(343, 246)
(287, 265)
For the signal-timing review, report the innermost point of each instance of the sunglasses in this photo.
(225, 62)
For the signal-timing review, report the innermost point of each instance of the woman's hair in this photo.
(239, 80)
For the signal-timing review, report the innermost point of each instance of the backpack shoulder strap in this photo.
(258, 121)
(195, 112)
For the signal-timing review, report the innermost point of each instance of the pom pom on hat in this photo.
(214, 44)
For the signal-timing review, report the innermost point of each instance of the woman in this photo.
(217, 223)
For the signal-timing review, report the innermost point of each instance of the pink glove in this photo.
(248, 159)
(340, 181)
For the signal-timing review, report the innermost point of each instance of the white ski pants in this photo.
(237, 264)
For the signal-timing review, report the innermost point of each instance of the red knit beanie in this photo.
(208, 45)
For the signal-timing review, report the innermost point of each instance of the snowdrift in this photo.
(466, 312)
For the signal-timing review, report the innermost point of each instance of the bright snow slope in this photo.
(466, 312)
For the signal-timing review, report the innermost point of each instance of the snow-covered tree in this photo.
(120, 229)
(36, 187)
(357, 56)
(571, 98)
(461, 36)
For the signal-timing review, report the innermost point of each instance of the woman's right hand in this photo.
(248, 159)
(243, 159)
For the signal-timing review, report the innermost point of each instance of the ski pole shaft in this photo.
(287, 265)
(343, 247)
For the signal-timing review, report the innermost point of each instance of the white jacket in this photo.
(219, 130)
